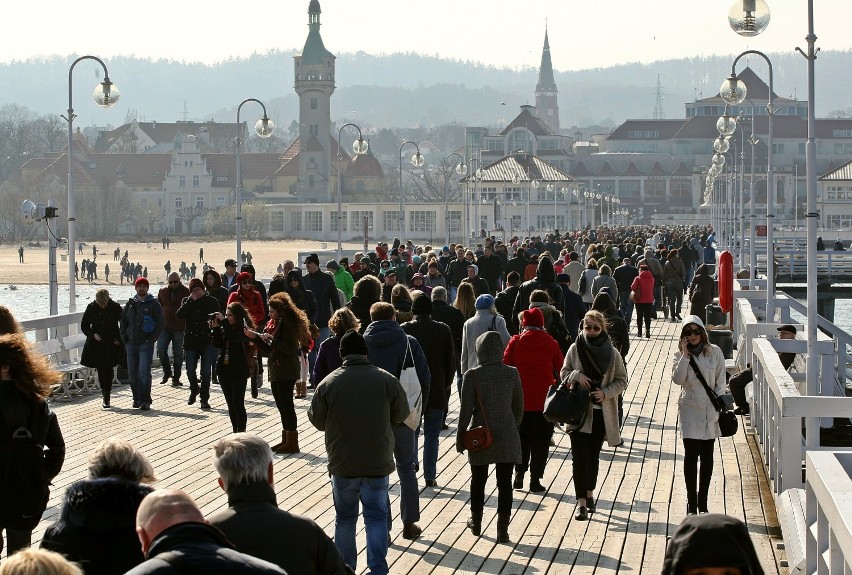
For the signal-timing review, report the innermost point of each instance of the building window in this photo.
(199, 202)
(359, 186)
(680, 188)
(455, 221)
(182, 181)
(296, 221)
(802, 149)
(313, 103)
(643, 134)
(777, 148)
(842, 133)
(196, 181)
(421, 221)
(358, 220)
(311, 180)
(276, 221)
(313, 221)
(178, 202)
(220, 201)
(338, 221)
(390, 221)
(653, 189)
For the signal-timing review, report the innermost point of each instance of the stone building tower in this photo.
(546, 105)
(314, 84)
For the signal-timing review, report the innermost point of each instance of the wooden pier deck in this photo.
(640, 494)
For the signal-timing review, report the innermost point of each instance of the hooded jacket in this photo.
(536, 356)
(701, 291)
(325, 292)
(97, 525)
(711, 540)
(545, 279)
(303, 298)
(252, 301)
(131, 320)
(653, 264)
(388, 344)
(217, 291)
(502, 397)
(644, 284)
(104, 322)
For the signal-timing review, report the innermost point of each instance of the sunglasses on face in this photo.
(591, 327)
(689, 332)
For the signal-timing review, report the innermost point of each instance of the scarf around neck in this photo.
(599, 348)
(696, 349)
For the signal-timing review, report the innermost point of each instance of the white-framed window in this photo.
(182, 181)
(296, 221)
(338, 221)
(313, 221)
(421, 221)
(455, 222)
(358, 220)
(178, 202)
(196, 181)
(199, 202)
(276, 221)
(390, 221)
(220, 201)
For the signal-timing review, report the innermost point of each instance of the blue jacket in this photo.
(386, 344)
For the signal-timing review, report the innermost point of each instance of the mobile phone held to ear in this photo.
(245, 323)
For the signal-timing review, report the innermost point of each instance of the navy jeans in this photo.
(432, 421)
(372, 493)
(207, 357)
(175, 337)
(405, 455)
(626, 306)
(139, 360)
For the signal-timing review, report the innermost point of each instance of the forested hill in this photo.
(402, 90)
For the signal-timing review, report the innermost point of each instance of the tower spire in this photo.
(547, 107)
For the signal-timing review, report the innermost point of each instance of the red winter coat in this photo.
(537, 357)
(251, 300)
(645, 282)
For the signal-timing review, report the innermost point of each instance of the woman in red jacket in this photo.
(536, 356)
(249, 298)
(643, 286)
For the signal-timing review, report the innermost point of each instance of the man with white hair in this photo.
(254, 523)
(175, 539)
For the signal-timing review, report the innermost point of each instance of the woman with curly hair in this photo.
(401, 302)
(328, 358)
(235, 353)
(287, 333)
(465, 300)
(25, 384)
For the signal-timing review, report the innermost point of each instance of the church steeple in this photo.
(547, 107)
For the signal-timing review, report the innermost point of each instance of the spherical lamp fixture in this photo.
(748, 17)
(106, 94)
(733, 90)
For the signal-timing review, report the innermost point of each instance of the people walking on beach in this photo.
(699, 420)
(141, 324)
(593, 363)
(103, 349)
(284, 338)
(170, 298)
(25, 385)
(491, 395)
(21, 254)
(236, 353)
(195, 310)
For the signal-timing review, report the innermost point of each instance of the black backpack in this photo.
(22, 475)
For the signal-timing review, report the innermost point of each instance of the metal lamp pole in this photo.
(264, 128)
(106, 94)
(417, 162)
(360, 147)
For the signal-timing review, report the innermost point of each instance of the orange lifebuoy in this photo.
(726, 281)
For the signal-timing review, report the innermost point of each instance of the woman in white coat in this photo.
(699, 420)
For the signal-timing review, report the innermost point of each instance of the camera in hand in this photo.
(212, 316)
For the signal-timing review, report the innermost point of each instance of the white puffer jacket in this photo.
(698, 417)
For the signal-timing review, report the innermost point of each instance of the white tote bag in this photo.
(411, 384)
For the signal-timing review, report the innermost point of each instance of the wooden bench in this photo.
(791, 516)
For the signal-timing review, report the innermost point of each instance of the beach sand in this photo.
(266, 255)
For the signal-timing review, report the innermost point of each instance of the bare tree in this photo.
(189, 214)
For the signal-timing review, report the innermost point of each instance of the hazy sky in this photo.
(583, 33)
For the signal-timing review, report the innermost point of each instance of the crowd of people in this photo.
(383, 342)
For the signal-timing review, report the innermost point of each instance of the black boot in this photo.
(691, 503)
(475, 523)
(519, 480)
(702, 503)
(503, 527)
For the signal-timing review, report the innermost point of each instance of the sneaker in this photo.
(106, 404)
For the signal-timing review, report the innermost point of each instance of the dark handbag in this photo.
(478, 438)
(728, 423)
(567, 405)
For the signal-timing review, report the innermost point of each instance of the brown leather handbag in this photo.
(478, 438)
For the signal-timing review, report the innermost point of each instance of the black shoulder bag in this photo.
(728, 423)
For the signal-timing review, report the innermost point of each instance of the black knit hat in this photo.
(422, 305)
(352, 342)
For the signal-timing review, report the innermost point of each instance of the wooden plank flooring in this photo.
(640, 493)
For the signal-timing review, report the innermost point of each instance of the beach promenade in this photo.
(641, 497)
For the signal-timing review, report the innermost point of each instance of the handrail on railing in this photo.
(828, 508)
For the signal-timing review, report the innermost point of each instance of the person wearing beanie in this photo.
(342, 279)
(436, 340)
(485, 319)
(711, 543)
(141, 323)
(698, 418)
(359, 395)
(170, 298)
(545, 279)
(195, 310)
(480, 286)
(593, 363)
(536, 356)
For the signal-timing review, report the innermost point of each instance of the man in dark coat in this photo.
(518, 263)
(328, 301)
(437, 342)
(545, 279)
(490, 268)
(254, 523)
(447, 314)
(575, 307)
(505, 300)
(170, 298)
(197, 343)
(456, 272)
(175, 540)
(624, 276)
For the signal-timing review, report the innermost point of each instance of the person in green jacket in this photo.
(342, 279)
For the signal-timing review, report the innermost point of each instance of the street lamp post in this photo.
(360, 147)
(416, 161)
(461, 170)
(106, 94)
(733, 91)
(263, 128)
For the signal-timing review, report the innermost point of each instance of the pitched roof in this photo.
(252, 166)
(526, 166)
(528, 119)
(135, 170)
(581, 171)
(605, 170)
(631, 170)
(682, 171)
(757, 89)
(657, 171)
(545, 71)
(840, 174)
